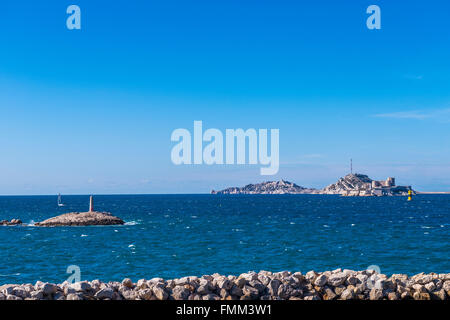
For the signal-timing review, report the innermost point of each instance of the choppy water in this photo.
(177, 235)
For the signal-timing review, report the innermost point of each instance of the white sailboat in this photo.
(60, 204)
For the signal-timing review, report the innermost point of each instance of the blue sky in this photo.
(92, 110)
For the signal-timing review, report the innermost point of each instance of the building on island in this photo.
(355, 184)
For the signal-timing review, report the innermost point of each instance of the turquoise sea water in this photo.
(177, 235)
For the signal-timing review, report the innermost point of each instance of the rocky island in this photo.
(361, 185)
(351, 185)
(81, 219)
(270, 187)
(88, 218)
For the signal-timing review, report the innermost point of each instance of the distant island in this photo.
(270, 187)
(353, 184)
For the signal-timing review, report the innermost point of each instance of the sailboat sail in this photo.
(60, 204)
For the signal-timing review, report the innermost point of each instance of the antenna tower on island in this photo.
(351, 166)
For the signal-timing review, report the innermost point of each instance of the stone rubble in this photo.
(329, 285)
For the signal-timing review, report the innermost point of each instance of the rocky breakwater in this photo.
(330, 285)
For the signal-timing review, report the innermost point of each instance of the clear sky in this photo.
(92, 110)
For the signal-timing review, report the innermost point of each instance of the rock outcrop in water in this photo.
(350, 185)
(89, 218)
(269, 187)
(13, 222)
(81, 219)
(329, 285)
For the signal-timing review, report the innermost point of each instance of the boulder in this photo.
(251, 292)
(81, 286)
(337, 279)
(393, 296)
(376, 294)
(347, 294)
(127, 283)
(438, 295)
(74, 296)
(257, 285)
(225, 284)
(273, 287)
(146, 294)
(203, 289)
(20, 292)
(321, 280)
(160, 293)
(37, 295)
(49, 289)
(106, 293)
(180, 293)
(329, 294)
(236, 291)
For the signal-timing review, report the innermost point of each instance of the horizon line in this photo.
(175, 194)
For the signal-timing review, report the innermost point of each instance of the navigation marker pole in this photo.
(91, 204)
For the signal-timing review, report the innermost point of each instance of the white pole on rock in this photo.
(91, 204)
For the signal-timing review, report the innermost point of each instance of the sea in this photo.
(172, 236)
